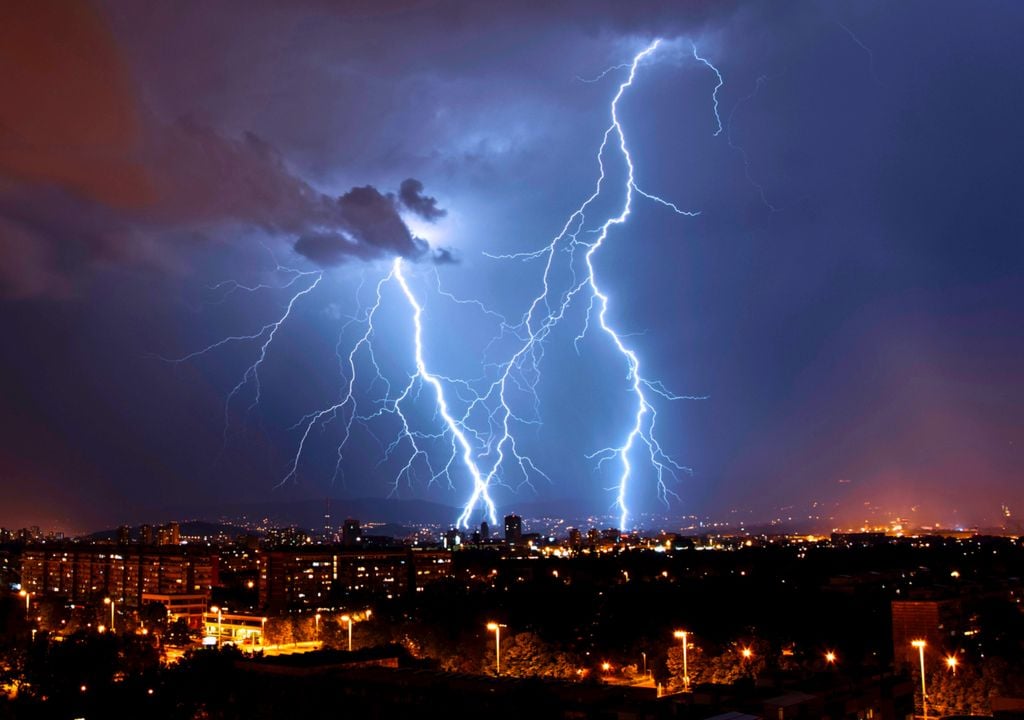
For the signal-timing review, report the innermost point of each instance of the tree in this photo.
(179, 633)
(279, 631)
(725, 668)
(525, 654)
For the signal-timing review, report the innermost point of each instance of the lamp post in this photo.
(316, 619)
(348, 620)
(263, 632)
(683, 635)
(645, 662)
(28, 598)
(919, 644)
(110, 602)
(496, 629)
(220, 622)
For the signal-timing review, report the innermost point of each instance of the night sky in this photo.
(848, 302)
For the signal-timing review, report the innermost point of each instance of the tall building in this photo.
(513, 529)
(485, 531)
(351, 533)
(124, 535)
(146, 535)
(575, 537)
(169, 534)
(934, 621)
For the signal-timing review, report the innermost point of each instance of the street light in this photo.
(28, 597)
(951, 663)
(316, 618)
(220, 623)
(919, 644)
(747, 653)
(348, 619)
(263, 632)
(496, 629)
(110, 602)
(830, 657)
(683, 635)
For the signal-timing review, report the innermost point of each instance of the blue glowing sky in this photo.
(848, 302)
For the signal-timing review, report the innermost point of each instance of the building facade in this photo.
(85, 573)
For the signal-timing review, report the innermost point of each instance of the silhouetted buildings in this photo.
(351, 533)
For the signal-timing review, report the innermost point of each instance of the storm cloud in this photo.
(860, 336)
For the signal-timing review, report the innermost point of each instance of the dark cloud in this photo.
(412, 197)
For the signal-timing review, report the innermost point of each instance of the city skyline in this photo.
(842, 316)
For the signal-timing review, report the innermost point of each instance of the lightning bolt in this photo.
(761, 80)
(714, 93)
(642, 428)
(463, 440)
(451, 424)
(870, 53)
(265, 336)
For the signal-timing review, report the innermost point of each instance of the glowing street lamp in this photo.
(683, 636)
(110, 602)
(28, 599)
(263, 632)
(496, 629)
(347, 619)
(951, 663)
(919, 644)
(316, 618)
(830, 657)
(220, 622)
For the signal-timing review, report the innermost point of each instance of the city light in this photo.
(920, 645)
(496, 629)
(830, 657)
(347, 619)
(683, 636)
(110, 602)
(951, 663)
(747, 653)
(220, 622)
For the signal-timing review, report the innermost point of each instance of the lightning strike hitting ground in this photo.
(644, 420)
